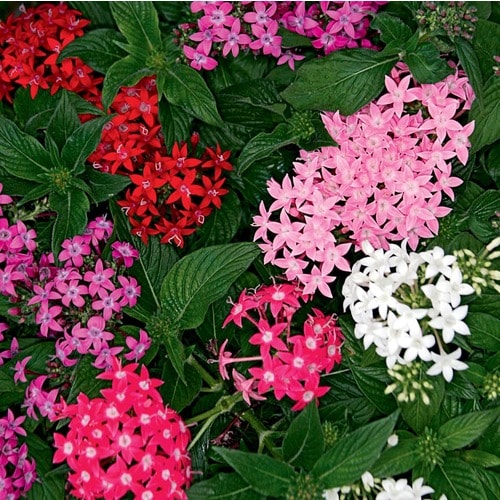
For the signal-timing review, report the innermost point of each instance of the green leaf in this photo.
(485, 330)
(372, 381)
(426, 65)
(397, 459)
(175, 352)
(82, 143)
(487, 116)
(463, 430)
(123, 73)
(265, 474)
(138, 21)
(223, 487)
(480, 458)
(10, 393)
(49, 486)
(39, 191)
(71, 208)
(104, 186)
(223, 223)
(486, 303)
(176, 392)
(175, 123)
(99, 12)
(392, 29)
(492, 164)
(202, 277)
(184, 86)
(417, 414)
(96, 48)
(262, 145)
(490, 481)
(486, 43)
(457, 481)
(354, 454)
(304, 442)
(470, 62)
(85, 380)
(64, 121)
(21, 155)
(345, 80)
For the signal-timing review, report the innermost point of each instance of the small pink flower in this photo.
(19, 368)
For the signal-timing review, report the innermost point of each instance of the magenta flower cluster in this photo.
(383, 182)
(77, 303)
(17, 472)
(289, 363)
(228, 27)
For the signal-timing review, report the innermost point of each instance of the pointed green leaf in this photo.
(345, 80)
(463, 430)
(64, 121)
(123, 73)
(486, 43)
(457, 480)
(85, 380)
(39, 191)
(416, 413)
(265, 474)
(49, 486)
(179, 393)
(392, 29)
(71, 208)
(99, 12)
(82, 143)
(104, 186)
(176, 355)
(485, 330)
(480, 458)
(354, 454)
(21, 155)
(96, 48)
(426, 65)
(223, 487)
(304, 442)
(263, 144)
(470, 63)
(184, 86)
(397, 460)
(202, 277)
(175, 123)
(138, 21)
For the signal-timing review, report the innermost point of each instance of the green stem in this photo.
(214, 384)
(224, 405)
(262, 432)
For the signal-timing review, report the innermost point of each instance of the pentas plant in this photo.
(384, 181)
(408, 305)
(224, 28)
(30, 43)
(126, 441)
(173, 193)
(17, 471)
(291, 358)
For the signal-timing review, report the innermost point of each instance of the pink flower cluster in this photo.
(228, 27)
(126, 442)
(17, 472)
(383, 182)
(289, 364)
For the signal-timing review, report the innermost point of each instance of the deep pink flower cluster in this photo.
(17, 472)
(383, 182)
(125, 442)
(228, 27)
(290, 364)
(30, 43)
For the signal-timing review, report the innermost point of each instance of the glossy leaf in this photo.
(184, 86)
(138, 21)
(63, 122)
(354, 454)
(391, 28)
(104, 186)
(202, 277)
(464, 429)
(175, 123)
(485, 330)
(179, 393)
(345, 80)
(265, 474)
(21, 155)
(470, 63)
(397, 459)
(223, 487)
(304, 442)
(96, 48)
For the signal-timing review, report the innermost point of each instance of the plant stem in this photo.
(214, 384)
(262, 432)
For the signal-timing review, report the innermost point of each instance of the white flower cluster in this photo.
(385, 489)
(408, 306)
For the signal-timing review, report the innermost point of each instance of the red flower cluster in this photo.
(30, 44)
(172, 194)
(128, 441)
(291, 365)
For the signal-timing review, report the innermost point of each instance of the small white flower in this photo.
(368, 481)
(392, 440)
(454, 288)
(419, 489)
(450, 321)
(419, 347)
(331, 494)
(395, 490)
(437, 262)
(445, 363)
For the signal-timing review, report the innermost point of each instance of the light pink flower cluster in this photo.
(17, 472)
(290, 364)
(228, 27)
(126, 442)
(383, 182)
